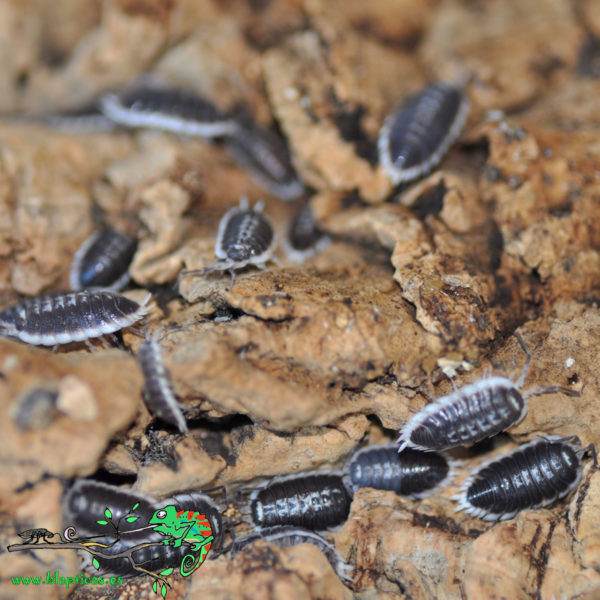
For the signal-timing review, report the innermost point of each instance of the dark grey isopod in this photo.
(266, 157)
(171, 110)
(411, 473)
(304, 237)
(472, 413)
(245, 237)
(534, 475)
(102, 261)
(158, 391)
(311, 501)
(70, 317)
(286, 536)
(418, 133)
(86, 501)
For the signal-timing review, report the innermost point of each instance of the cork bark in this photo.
(296, 366)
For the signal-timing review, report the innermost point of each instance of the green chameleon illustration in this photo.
(184, 526)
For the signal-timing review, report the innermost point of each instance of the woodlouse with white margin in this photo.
(245, 237)
(417, 134)
(474, 412)
(286, 536)
(533, 475)
(102, 261)
(411, 473)
(313, 501)
(67, 317)
(158, 390)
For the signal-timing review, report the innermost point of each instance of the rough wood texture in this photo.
(295, 367)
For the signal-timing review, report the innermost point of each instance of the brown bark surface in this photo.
(298, 365)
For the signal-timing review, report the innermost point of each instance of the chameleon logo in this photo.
(179, 527)
(184, 526)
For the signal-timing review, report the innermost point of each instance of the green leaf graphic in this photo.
(131, 519)
(96, 563)
(107, 513)
(135, 506)
(166, 572)
(102, 522)
(155, 586)
(163, 590)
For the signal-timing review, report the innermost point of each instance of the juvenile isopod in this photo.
(266, 157)
(418, 133)
(314, 501)
(410, 473)
(70, 317)
(286, 536)
(245, 237)
(158, 390)
(472, 413)
(102, 261)
(533, 475)
(171, 110)
(304, 237)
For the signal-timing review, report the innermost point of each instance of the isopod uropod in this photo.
(245, 237)
(102, 261)
(533, 475)
(312, 501)
(70, 317)
(410, 473)
(472, 413)
(417, 134)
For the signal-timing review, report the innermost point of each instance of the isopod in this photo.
(158, 390)
(304, 237)
(265, 156)
(286, 536)
(102, 261)
(245, 237)
(314, 501)
(171, 110)
(533, 475)
(70, 317)
(418, 133)
(410, 473)
(472, 413)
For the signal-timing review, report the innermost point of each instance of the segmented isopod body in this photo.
(472, 413)
(102, 261)
(417, 134)
(311, 501)
(265, 156)
(86, 502)
(286, 536)
(171, 110)
(534, 475)
(158, 391)
(70, 317)
(245, 237)
(410, 473)
(304, 237)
